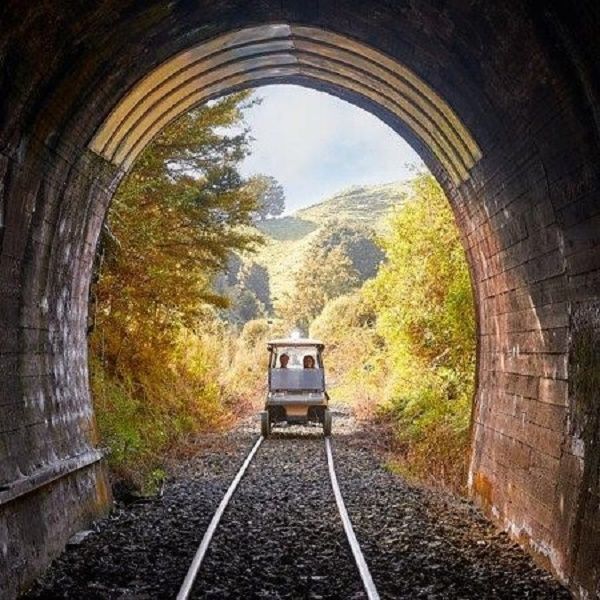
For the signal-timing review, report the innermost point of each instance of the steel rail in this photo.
(363, 569)
(188, 583)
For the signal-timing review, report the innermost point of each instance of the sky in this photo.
(315, 144)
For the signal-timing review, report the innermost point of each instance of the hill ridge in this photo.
(384, 195)
(366, 204)
(288, 238)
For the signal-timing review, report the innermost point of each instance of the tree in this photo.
(255, 278)
(271, 197)
(325, 274)
(424, 288)
(339, 259)
(247, 287)
(174, 223)
(403, 345)
(426, 319)
(229, 276)
(254, 332)
(157, 347)
(357, 242)
(247, 307)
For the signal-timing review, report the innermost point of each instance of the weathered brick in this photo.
(520, 385)
(549, 316)
(552, 366)
(553, 391)
(550, 416)
(551, 341)
(584, 261)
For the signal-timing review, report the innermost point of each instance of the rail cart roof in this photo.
(295, 342)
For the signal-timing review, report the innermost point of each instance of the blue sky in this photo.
(315, 144)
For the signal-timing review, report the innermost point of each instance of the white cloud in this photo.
(316, 144)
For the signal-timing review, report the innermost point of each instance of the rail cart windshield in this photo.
(296, 367)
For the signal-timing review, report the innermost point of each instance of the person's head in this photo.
(284, 359)
(308, 362)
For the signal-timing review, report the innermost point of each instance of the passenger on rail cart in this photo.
(296, 385)
(308, 362)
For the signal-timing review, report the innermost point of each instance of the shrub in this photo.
(403, 346)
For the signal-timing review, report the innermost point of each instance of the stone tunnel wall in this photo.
(522, 76)
(52, 481)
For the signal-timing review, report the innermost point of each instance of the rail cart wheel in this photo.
(326, 422)
(265, 424)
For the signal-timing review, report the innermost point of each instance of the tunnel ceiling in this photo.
(285, 53)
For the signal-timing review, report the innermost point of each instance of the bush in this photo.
(245, 379)
(142, 417)
(158, 348)
(403, 346)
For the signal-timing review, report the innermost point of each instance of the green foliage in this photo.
(255, 278)
(405, 341)
(245, 378)
(346, 325)
(254, 333)
(424, 289)
(357, 242)
(341, 315)
(427, 320)
(230, 274)
(142, 414)
(340, 257)
(327, 274)
(286, 228)
(245, 306)
(246, 285)
(270, 194)
(289, 239)
(366, 205)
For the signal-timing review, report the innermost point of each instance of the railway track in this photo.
(281, 535)
(187, 587)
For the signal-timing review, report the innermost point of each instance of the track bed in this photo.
(282, 537)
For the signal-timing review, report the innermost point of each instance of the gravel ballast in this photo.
(281, 536)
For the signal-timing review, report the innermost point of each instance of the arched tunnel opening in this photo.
(501, 103)
(318, 271)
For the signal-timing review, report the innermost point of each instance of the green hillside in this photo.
(286, 228)
(367, 205)
(289, 237)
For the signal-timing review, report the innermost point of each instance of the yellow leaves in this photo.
(417, 360)
(173, 222)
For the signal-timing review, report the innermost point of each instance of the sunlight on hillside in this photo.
(289, 239)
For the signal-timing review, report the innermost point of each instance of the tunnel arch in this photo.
(282, 52)
(500, 101)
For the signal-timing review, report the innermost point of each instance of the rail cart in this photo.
(296, 385)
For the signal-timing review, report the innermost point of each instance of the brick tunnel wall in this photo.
(523, 79)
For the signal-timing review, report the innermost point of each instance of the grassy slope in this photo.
(288, 238)
(359, 204)
(287, 229)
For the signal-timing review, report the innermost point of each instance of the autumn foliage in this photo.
(181, 310)
(158, 350)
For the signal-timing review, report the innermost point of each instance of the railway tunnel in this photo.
(502, 101)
